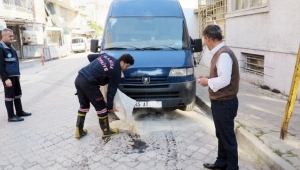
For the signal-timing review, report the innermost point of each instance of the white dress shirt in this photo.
(224, 70)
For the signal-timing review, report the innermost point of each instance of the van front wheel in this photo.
(189, 107)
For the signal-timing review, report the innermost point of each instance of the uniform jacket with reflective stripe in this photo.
(103, 70)
(9, 63)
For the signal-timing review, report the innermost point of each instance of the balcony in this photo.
(20, 9)
(69, 4)
(20, 5)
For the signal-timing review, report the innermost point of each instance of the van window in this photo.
(144, 32)
(77, 40)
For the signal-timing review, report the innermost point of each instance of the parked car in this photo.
(79, 44)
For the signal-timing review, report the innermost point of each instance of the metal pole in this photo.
(292, 98)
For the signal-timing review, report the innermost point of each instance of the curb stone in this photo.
(256, 148)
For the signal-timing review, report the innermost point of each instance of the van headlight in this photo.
(181, 72)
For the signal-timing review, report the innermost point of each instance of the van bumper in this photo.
(171, 95)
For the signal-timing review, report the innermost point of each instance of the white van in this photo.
(79, 44)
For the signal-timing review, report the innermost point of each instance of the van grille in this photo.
(151, 95)
(138, 80)
(145, 87)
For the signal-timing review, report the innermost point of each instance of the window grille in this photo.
(254, 64)
(213, 12)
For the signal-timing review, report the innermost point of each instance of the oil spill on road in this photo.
(138, 144)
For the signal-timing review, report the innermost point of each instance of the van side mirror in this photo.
(197, 45)
(94, 45)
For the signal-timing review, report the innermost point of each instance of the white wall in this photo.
(272, 31)
(188, 7)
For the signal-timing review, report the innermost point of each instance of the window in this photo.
(141, 32)
(53, 37)
(246, 4)
(258, 3)
(254, 64)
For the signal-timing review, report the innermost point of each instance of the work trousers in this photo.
(13, 96)
(89, 92)
(224, 113)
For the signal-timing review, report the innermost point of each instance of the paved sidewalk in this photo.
(45, 140)
(259, 117)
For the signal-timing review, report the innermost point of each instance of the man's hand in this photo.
(204, 77)
(112, 110)
(8, 83)
(203, 81)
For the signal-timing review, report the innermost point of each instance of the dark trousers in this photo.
(13, 96)
(87, 93)
(224, 113)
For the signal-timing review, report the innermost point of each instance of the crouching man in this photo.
(102, 70)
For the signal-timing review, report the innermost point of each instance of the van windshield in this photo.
(144, 32)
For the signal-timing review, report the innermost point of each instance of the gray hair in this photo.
(5, 30)
(213, 31)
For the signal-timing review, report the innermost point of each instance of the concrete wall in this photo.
(188, 7)
(272, 31)
(1, 8)
(39, 11)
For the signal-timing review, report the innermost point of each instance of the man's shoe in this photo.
(23, 114)
(15, 119)
(213, 166)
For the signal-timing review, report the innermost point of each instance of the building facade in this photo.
(265, 37)
(15, 14)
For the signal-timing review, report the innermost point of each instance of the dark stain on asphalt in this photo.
(138, 144)
(172, 151)
(104, 140)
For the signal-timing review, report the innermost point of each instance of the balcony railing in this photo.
(19, 4)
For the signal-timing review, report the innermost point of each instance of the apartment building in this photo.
(265, 37)
(15, 14)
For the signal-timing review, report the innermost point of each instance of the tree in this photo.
(98, 29)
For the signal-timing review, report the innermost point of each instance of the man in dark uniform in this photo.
(102, 70)
(10, 75)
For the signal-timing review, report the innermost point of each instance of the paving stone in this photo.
(191, 167)
(192, 147)
(151, 154)
(113, 165)
(17, 168)
(204, 151)
(198, 155)
(95, 165)
(133, 164)
(125, 159)
(143, 158)
(3, 163)
(123, 167)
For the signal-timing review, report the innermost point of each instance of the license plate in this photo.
(156, 104)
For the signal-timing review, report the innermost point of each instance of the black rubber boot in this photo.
(80, 132)
(18, 106)
(10, 108)
(104, 124)
(19, 109)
